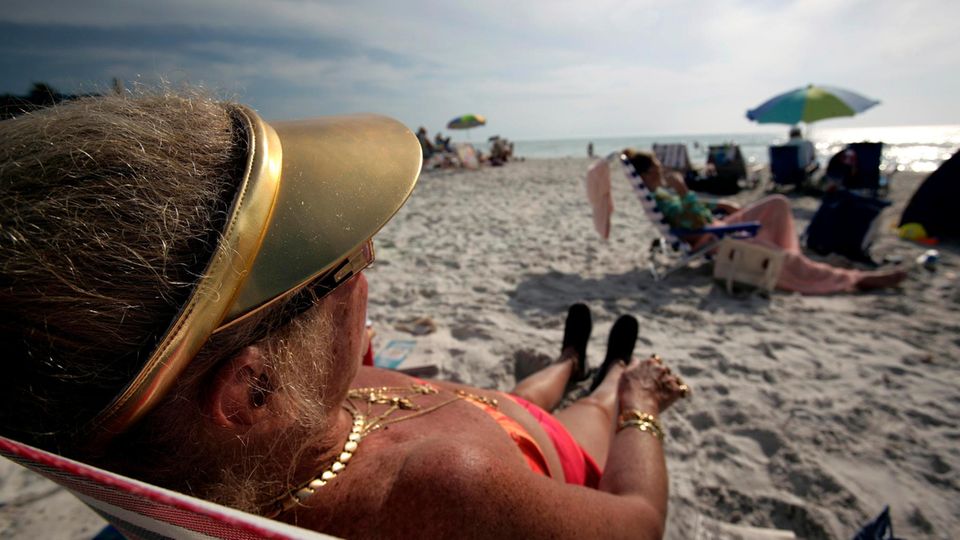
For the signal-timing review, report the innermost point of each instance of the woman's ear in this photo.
(239, 391)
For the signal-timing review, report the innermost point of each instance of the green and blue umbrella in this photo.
(466, 121)
(809, 105)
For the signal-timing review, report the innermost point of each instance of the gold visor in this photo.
(313, 194)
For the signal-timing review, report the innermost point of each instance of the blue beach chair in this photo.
(785, 169)
(869, 178)
(671, 250)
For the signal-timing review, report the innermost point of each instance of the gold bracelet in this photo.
(638, 415)
(640, 420)
(646, 427)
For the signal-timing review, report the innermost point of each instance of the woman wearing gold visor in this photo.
(183, 302)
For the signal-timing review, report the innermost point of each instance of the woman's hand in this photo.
(649, 386)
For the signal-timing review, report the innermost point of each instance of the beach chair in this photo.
(140, 510)
(869, 177)
(785, 169)
(728, 160)
(726, 172)
(671, 251)
(674, 156)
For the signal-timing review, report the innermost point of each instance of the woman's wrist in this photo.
(642, 421)
(646, 403)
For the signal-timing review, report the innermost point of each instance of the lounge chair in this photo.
(670, 251)
(140, 510)
(785, 166)
(674, 156)
(726, 174)
(869, 178)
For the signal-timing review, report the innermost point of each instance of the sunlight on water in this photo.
(908, 148)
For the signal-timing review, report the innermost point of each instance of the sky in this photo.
(536, 69)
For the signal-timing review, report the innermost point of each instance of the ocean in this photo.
(909, 148)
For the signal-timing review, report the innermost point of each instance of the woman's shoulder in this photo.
(458, 488)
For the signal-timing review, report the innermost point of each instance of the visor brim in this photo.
(314, 192)
(342, 179)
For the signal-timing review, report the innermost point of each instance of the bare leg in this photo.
(776, 222)
(591, 420)
(545, 388)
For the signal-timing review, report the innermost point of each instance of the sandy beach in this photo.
(808, 414)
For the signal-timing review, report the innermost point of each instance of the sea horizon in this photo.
(918, 148)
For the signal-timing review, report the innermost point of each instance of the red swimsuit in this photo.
(578, 466)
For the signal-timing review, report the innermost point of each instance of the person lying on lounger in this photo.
(777, 230)
(183, 302)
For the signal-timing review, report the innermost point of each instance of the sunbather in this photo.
(799, 273)
(182, 302)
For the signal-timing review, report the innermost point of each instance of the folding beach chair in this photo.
(869, 177)
(674, 156)
(671, 251)
(729, 174)
(728, 161)
(139, 510)
(785, 169)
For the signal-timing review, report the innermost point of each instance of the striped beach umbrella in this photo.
(810, 104)
(466, 121)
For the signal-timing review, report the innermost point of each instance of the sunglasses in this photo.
(303, 298)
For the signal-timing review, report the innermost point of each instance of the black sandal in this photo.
(576, 334)
(623, 337)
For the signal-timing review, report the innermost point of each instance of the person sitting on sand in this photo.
(184, 303)
(777, 230)
(442, 144)
(425, 144)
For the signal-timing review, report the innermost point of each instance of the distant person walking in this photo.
(590, 149)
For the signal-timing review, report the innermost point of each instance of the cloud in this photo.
(536, 69)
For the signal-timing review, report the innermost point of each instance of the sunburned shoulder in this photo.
(453, 464)
(446, 488)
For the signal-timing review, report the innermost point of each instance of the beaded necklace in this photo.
(364, 423)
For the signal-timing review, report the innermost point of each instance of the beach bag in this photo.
(846, 224)
(742, 263)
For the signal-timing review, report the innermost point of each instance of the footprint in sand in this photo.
(702, 421)
(731, 506)
(464, 332)
(770, 442)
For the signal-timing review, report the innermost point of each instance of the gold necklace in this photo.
(365, 423)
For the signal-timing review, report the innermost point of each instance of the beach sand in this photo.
(808, 413)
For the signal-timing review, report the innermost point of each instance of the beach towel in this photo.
(598, 193)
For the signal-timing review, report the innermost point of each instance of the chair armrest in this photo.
(749, 229)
